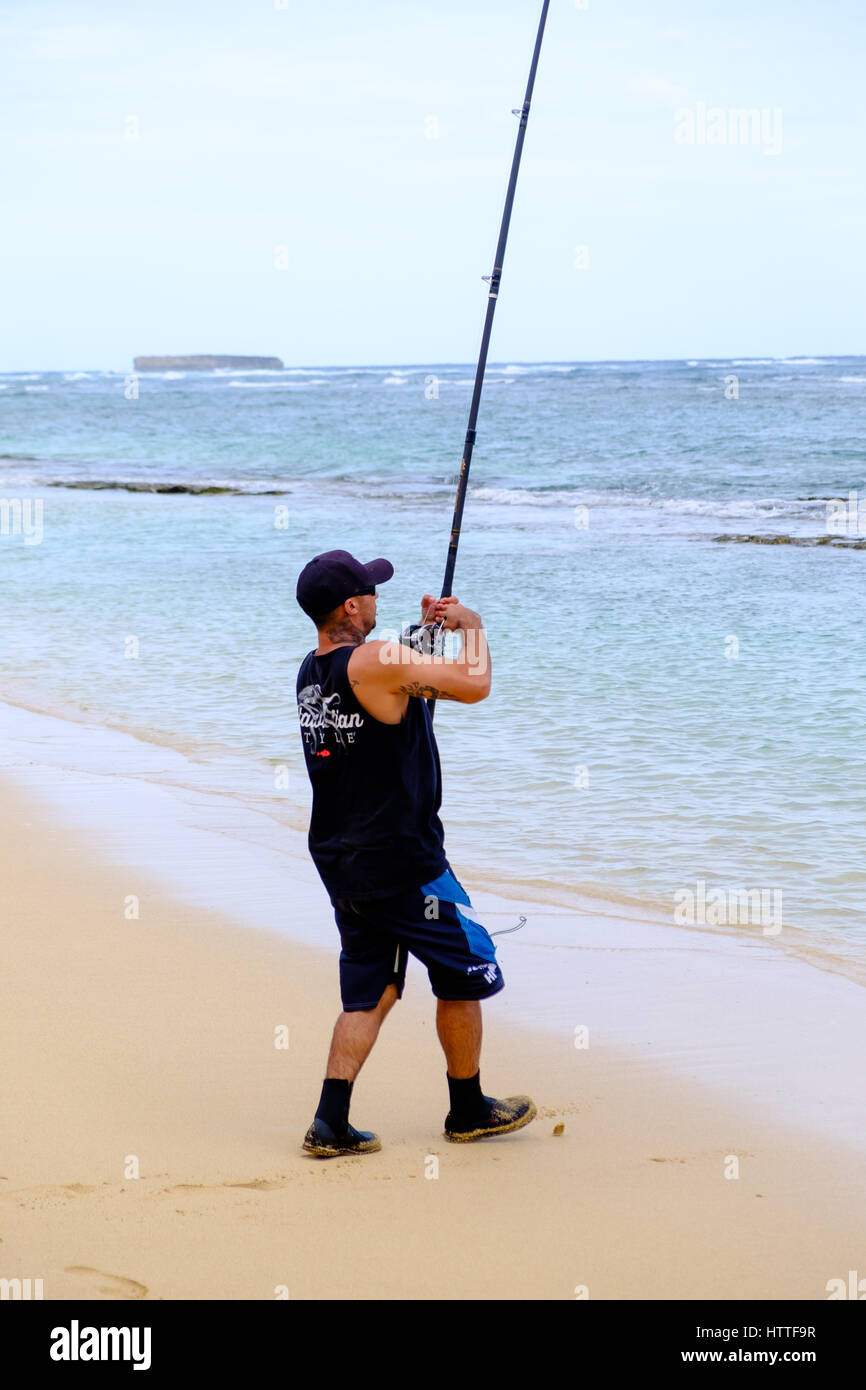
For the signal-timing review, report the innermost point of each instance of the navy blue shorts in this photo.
(437, 923)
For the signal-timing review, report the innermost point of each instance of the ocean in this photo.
(670, 595)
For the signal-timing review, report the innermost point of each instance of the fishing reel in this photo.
(426, 638)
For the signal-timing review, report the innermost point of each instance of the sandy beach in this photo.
(149, 1045)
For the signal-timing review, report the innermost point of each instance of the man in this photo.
(377, 842)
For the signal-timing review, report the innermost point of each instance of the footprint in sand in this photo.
(109, 1285)
(257, 1184)
(36, 1197)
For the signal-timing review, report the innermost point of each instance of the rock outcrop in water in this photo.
(835, 542)
(206, 364)
(193, 489)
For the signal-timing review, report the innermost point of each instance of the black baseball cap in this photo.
(329, 579)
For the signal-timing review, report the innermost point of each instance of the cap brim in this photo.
(379, 571)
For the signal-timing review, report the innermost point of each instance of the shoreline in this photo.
(151, 1042)
(187, 767)
(736, 1013)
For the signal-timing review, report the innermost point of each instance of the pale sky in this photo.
(154, 155)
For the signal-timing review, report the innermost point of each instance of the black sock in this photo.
(466, 1098)
(334, 1103)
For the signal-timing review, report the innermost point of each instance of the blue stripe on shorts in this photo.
(447, 890)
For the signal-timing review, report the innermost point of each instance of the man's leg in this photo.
(355, 1032)
(354, 1036)
(473, 1115)
(458, 1023)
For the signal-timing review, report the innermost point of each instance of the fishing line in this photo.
(506, 931)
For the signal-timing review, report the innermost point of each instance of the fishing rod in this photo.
(492, 298)
(424, 636)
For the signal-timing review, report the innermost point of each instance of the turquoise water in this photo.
(630, 747)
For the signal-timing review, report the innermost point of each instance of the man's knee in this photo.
(388, 1000)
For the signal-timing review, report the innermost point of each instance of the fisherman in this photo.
(377, 841)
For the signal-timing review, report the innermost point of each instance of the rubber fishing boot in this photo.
(494, 1117)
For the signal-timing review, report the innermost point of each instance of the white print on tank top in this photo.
(318, 713)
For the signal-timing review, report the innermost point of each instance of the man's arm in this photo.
(395, 669)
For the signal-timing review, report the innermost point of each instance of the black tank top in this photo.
(377, 788)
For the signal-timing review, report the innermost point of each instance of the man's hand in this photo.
(449, 611)
(433, 609)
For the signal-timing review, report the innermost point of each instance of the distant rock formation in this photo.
(206, 364)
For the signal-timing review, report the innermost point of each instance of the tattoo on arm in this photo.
(425, 692)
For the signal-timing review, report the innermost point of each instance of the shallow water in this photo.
(666, 711)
